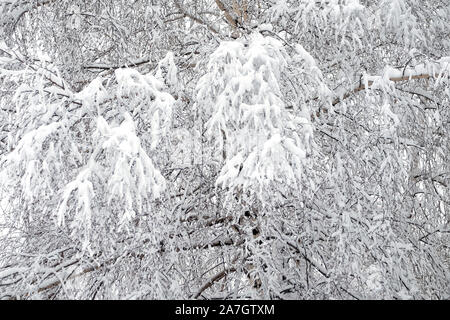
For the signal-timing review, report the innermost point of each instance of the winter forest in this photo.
(224, 149)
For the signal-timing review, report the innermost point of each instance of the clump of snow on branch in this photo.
(259, 141)
(127, 175)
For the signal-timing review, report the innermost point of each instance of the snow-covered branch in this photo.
(437, 70)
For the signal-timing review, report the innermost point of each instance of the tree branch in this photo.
(194, 18)
(214, 279)
(422, 71)
(227, 14)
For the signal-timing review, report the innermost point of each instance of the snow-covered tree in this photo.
(224, 149)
